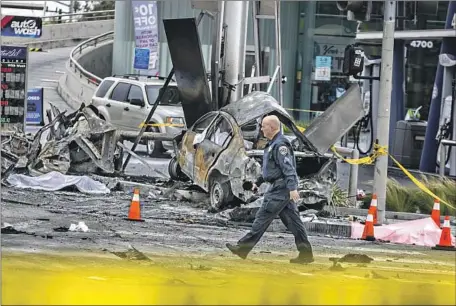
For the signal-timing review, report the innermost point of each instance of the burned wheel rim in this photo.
(217, 195)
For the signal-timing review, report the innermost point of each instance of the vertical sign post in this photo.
(14, 88)
(146, 32)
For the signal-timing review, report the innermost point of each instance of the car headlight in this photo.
(175, 121)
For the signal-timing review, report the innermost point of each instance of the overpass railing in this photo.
(83, 17)
(92, 42)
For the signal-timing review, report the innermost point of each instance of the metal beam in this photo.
(23, 6)
(409, 35)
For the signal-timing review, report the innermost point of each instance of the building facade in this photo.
(310, 29)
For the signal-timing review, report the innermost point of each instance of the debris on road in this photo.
(80, 227)
(353, 258)
(54, 181)
(131, 254)
(79, 142)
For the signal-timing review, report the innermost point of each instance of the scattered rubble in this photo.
(79, 142)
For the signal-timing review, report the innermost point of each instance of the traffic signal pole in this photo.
(384, 106)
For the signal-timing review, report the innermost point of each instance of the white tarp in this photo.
(53, 181)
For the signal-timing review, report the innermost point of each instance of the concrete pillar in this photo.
(236, 16)
(124, 39)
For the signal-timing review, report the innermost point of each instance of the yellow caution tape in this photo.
(419, 184)
(379, 151)
(161, 124)
(368, 160)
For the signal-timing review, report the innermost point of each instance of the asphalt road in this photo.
(181, 256)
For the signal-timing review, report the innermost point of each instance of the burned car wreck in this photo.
(224, 148)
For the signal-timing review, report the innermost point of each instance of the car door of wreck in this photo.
(186, 155)
(217, 138)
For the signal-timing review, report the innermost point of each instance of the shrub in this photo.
(402, 198)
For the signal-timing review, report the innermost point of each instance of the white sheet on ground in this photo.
(53, 181)
(423, 232)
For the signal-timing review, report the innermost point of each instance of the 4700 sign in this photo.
(422, 44)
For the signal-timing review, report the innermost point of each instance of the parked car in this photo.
(125, 102)
(224, 149)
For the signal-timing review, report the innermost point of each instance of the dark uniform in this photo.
(279, 169)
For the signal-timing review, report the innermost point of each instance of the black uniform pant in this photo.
(277, 203)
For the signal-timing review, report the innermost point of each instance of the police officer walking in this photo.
(279, 169)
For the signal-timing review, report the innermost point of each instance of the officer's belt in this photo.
(279, 180)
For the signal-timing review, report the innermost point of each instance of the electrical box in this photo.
(409, 142)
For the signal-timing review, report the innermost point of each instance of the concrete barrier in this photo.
(98, 60)
(63, 35)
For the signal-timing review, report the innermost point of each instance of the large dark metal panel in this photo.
(191, 76)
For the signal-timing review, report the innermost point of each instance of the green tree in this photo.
(95, 6)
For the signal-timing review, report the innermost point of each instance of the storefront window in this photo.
(411, 15)
(421, 67)
(324, 31)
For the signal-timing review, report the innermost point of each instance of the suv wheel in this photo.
(154, 147)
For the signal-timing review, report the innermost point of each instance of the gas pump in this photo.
(366, 70)
(447, 128)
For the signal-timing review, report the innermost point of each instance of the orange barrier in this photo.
(435, 214)
(135, 208)
(445, 238)
(368, 233)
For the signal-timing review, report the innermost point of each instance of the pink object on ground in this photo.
(422, 232)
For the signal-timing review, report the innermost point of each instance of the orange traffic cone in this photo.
(435, 215)
(368, 233)
(373, 209)
(135, 208)
(445, 237)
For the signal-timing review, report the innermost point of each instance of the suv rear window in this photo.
(171, 96)
(103, 88)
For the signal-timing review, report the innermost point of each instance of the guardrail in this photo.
(92, 42)
(87, 16)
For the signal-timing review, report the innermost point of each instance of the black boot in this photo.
(237, 250)
(303, 259)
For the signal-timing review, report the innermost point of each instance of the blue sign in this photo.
(323, 68)
(35, 106)
(22, 26)
(142, 56)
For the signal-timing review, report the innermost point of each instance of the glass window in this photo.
(203, 123)
(135, 93)
(103, 88)
(171, 96)
(222, 133)
(120, 92)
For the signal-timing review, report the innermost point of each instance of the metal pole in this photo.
(278, 52)
(442, 159)
(353, 179)
(384, 106)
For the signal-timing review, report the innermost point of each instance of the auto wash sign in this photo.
(21, 26)
(146, 33)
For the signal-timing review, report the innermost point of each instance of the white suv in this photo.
(125, 101)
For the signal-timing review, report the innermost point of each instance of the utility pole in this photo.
(384, 106)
